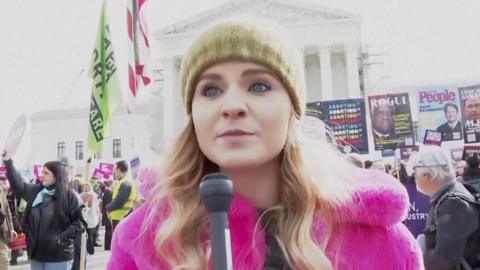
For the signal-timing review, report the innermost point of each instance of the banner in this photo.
(416, 219)
(438, 110)
(432, 137)
(391, 121)
(470, 104)
(346, 119)
(106, 93)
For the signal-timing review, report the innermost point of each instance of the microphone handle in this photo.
(220, 239)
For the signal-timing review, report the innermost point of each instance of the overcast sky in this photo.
(45, 45)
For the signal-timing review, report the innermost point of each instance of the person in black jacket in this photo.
(52, 218)
(450, 240)
(472, 172)
(106, 199)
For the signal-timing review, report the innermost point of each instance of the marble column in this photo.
(353, 79)
(324, 53)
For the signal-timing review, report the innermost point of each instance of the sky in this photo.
(46, 45)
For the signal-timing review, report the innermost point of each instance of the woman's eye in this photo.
(211, 91)
(260, 87)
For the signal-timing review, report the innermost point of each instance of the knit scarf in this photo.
(39, 199)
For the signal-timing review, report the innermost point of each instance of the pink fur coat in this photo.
(372, 235)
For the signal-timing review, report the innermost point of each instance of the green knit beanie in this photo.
(257, 41)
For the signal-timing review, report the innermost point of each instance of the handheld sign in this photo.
(15, 136)
(106, 168)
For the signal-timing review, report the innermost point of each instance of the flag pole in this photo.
(83, 236)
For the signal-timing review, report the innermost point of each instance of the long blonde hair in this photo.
(311, 186)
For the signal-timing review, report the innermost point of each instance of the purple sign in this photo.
(134, 166)
(3, 171)
(418, 211)
(432, 137)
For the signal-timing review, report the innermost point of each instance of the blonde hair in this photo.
(311, 186)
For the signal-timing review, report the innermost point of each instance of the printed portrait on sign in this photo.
(391, 121)
(470, 104)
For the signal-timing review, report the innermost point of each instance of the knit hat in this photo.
(254, 40)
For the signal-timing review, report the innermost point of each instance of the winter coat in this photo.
(49, 239)
(372, 235)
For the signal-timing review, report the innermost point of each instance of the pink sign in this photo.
(3, 171)
(99, 175)
(106, 168)
(37, 171)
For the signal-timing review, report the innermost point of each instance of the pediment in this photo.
(286, 12)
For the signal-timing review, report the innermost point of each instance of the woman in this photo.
(52, 218)
(91, 215)
(297, 205)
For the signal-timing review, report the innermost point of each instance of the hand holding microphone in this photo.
(216, 191)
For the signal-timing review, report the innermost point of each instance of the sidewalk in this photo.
(96, 262)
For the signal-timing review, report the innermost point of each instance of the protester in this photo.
(106, 199)
(472, 171)
(123, 194)
(449, 242)
(243, 87)
(91, 214)
(53, 216)
(7, 233)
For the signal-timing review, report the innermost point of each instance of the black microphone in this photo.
(216, 190)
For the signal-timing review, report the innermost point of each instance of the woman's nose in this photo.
(234, 105)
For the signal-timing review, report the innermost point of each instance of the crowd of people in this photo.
(450, 234)
(50, 214)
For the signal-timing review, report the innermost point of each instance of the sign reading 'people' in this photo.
(438, 110)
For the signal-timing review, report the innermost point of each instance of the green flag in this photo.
(106, 93)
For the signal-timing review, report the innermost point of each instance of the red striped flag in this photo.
(138, 76)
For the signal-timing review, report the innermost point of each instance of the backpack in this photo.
(473, 188)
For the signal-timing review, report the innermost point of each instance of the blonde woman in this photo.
(297, 204)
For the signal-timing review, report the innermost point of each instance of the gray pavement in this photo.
(98, 261)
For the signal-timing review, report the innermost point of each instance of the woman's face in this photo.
(48, 178)
(241, 114)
